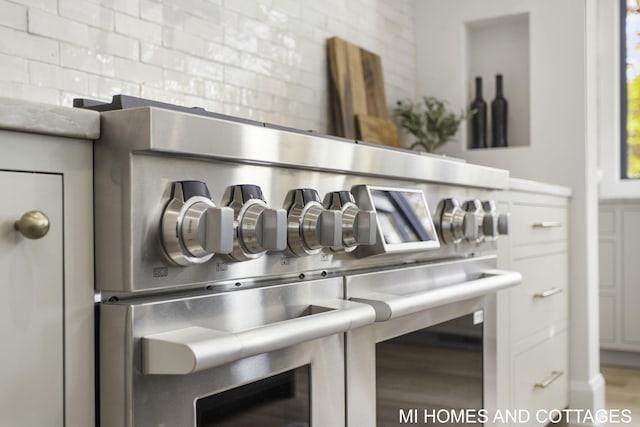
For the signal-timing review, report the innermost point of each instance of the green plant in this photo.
(429, 121)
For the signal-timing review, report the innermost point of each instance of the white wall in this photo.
(258, 59)
(563, 140)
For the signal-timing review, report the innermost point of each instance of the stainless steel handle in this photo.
(33, 225)
(193, 349)
(388, 306)
(547, 382)
(548, 293)
(547, 224)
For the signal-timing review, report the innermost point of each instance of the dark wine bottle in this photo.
(499, 115)
(479, 118)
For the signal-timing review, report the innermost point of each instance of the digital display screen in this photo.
(403, 216)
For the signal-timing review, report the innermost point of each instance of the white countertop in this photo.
(539, 187)
(34, 117)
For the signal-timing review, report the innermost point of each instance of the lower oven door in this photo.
(272, 356)
(430, 358)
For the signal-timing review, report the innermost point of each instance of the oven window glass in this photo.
(403, 215)
(434, 373)
(277, 401)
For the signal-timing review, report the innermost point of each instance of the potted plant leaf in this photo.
(430, 121)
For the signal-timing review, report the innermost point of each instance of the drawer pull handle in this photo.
(547, 293)
(547, 224)
(546, 383)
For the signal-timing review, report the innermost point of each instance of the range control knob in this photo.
(499, 222)
(358, 226)
(310, 226)
(454, 223)
(490, 220)
(257, 228)
(192, 228)
(475, 214)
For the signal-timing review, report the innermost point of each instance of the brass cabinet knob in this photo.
(33, 225)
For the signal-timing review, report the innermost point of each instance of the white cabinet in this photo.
(46, 284)
(533, 317)
(619, 290)
(31, 310)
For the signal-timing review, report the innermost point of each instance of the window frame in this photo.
(604, 33)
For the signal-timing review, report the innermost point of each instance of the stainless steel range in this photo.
(256, 275)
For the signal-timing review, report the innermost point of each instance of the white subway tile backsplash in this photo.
(103, 88)
(255, 63)
(114, 44)
(242, 41)
(259, 59)
(137, 28)
(162, 57)
(55, 27)
(91, 61)
(175, 81)
(28, 46)
(13, 69)
(130, 7)
(209, 29)
(245, 7)
(224, 54)
(134, 71)
(46, 5)
(203, 68)
(47, 75)
(176, 39)
(88, 13)
(29, 93)
(239, 77)
(13, 15)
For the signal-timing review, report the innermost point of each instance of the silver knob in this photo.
(490, 220)
(504, 221)
(33, 225)
(310, 226)
(474, 231)
(206, 229)
(257, 227)
(358, 226)
(450, 221)
(193, 229)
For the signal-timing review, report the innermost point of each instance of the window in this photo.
(630, 91)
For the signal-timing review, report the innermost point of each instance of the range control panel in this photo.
(364, 221)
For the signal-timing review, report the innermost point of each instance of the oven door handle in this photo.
(389, 306)
(192, 349)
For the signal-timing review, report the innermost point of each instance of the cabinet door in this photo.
(31, 304)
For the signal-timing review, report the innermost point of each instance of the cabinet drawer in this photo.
(538, 224)
(540, 378)
(541, 300)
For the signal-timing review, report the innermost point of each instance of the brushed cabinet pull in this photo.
(547, 293)
(546, 383)
(547, 224)
(33, 225)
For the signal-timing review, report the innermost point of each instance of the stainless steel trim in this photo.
(549, 380)
(389, 306)
(548, 293)
(193, 349)
(546, 224)
(209, 137)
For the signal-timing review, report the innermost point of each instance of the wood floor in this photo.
(623, 391)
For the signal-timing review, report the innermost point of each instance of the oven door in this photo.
(430, 358)
(272, 356)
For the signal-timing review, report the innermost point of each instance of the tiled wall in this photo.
(259, 59)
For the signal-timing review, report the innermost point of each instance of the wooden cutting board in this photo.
(357, 85)
(377, 130)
